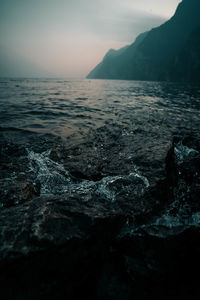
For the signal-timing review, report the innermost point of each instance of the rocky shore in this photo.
(116, 216)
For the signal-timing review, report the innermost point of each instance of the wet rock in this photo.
(48, 221)
(122, 187)
(60, 247)
(114, 220)
(183, 170)
(56, 247)
(13, 193)
(112, 150)
(162, 255)
(161, 267)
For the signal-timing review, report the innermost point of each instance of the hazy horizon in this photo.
(49, 38)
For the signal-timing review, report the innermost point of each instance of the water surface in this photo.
(72, 107)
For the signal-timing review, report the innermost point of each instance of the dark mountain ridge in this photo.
(169, 52)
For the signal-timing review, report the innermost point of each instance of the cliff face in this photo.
(168, 52)
(185, 65)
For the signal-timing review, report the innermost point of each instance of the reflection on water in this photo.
(66, 107)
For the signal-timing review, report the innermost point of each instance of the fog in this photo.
(68, 38)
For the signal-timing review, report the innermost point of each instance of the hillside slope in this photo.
(168, 52)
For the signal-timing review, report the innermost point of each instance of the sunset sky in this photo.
(68, 38)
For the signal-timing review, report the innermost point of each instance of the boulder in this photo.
(67, 233)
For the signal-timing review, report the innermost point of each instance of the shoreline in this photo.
(84, 233)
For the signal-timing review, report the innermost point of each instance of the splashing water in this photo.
(182, 152)
(51, 175)
(115, 186)
(54, 179)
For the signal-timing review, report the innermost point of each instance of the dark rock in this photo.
(108, 231)
(162, 267)
(161, 255)
(56, 247)
(112, 150)
(12, 193)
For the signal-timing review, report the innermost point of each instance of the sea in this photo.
(71, 108)
(99, 184)
(94, 138)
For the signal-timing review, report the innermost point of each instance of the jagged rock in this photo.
(113, 150)
(12, 193)
(162, 256)
(118, 236)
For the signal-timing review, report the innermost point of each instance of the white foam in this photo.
(54, 179)
(182, 152)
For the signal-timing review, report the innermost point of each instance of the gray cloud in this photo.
(126, 27)
(49, 32)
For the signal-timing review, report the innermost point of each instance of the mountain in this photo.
(169, 52)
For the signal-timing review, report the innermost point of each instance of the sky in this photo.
(63, 38)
